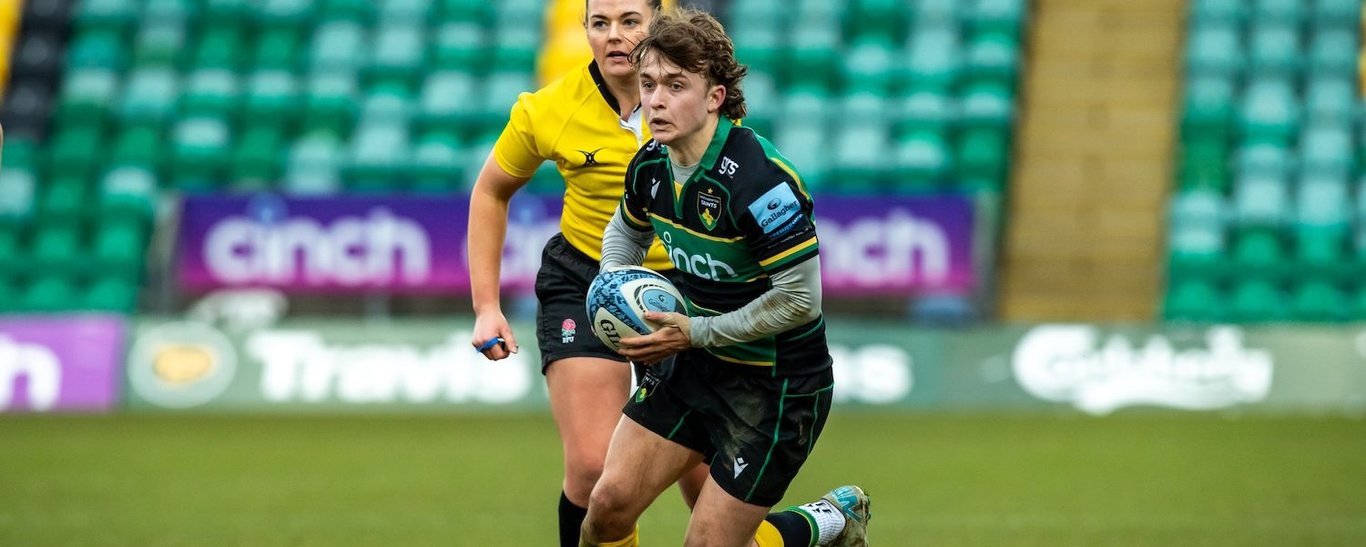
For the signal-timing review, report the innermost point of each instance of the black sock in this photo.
(571, 520)
(794, 528)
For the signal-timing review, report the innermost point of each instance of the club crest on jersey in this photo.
(708, 208)
(590, 158)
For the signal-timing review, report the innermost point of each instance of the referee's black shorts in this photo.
(562, 326)
(754, 431)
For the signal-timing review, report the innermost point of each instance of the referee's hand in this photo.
(671, 336)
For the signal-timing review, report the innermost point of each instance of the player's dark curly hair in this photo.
(696, 42)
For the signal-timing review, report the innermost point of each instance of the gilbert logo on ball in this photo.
(618, 300)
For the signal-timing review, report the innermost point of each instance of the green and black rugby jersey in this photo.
(743, 215)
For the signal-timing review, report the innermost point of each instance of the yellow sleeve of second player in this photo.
(516, 151)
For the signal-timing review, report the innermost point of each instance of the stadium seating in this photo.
(119, 103)
(1261, 219)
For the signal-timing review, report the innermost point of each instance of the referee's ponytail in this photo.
(696, 42)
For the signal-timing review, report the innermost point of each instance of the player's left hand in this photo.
(671, 336)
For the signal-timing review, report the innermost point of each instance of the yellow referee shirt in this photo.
(574, 123)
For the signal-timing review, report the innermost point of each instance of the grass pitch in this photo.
(494, 480)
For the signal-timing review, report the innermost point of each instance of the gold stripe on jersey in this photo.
(794, 250)
(574, 122)
(691, 232)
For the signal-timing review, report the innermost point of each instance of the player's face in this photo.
(614, 28)
(677, 102)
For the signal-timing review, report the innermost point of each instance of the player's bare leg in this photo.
(586, 396)
(640, 465)
(721, 520)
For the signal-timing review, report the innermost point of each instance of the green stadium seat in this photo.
(414, 12)
(227, 13)
(1193, 300)
(50, 293)
(110, 294)
(314, 166)
(993, 55)
(56, 248)
(1214, 48)
(937, 12)
(283, 14)
(1274, 47)
(199, 152)
(817, 45)
(1208, 105)
(880, 19)
(378, 153)
(1204, 163)
(257, 161)
(338, 46)
(278, 49)
(1337, 12)
(139, 146)
(922, 158)
(871, 65)
(439, 163)
(982, 153)
(860, 154)
(1269, 110)
(330, 103)
(1319, 301)
(925, 110)
(87, 97)
(1259, 253)
(18, 194)
(998, 16)
(64, 200)
(761, 47)
(1265, 159)
(1261, 200)
(1334, 52)
(13, 263)
(517, 48)
(160, 43)
(1196, 234)
(933, 58)
(501, 91)
(19, 153)
(1219, 11)
(805, 138)
(387, 104)
(149, 96)
(1326, 149)
(105, 15)
(761, 102)
(219, 47)
(1290, 11)
(1322, 226)
(360, 11)
(516, 13)
(546, 180)
(211, 92)
(1258, 300)
(449, 99)
(461, 46)
(272, 95)
(118, 248)
(161, 11)
(986, 103)
(478, 12)
(397, 54)
(128, 193)
(1330, 99)
(74, 153)
(97, 49)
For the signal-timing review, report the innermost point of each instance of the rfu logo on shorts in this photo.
(567, 330)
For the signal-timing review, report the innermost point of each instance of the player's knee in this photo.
(582, 473)
(609, 500)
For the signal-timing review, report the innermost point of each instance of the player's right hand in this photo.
(490, 326)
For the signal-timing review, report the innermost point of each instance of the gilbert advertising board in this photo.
(416, 244)
(60, 363)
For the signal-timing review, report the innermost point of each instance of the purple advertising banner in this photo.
(60, 363)
(417, 244)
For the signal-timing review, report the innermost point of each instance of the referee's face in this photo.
(677, 102)
(614, 28)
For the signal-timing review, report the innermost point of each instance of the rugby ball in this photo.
(618, 299)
